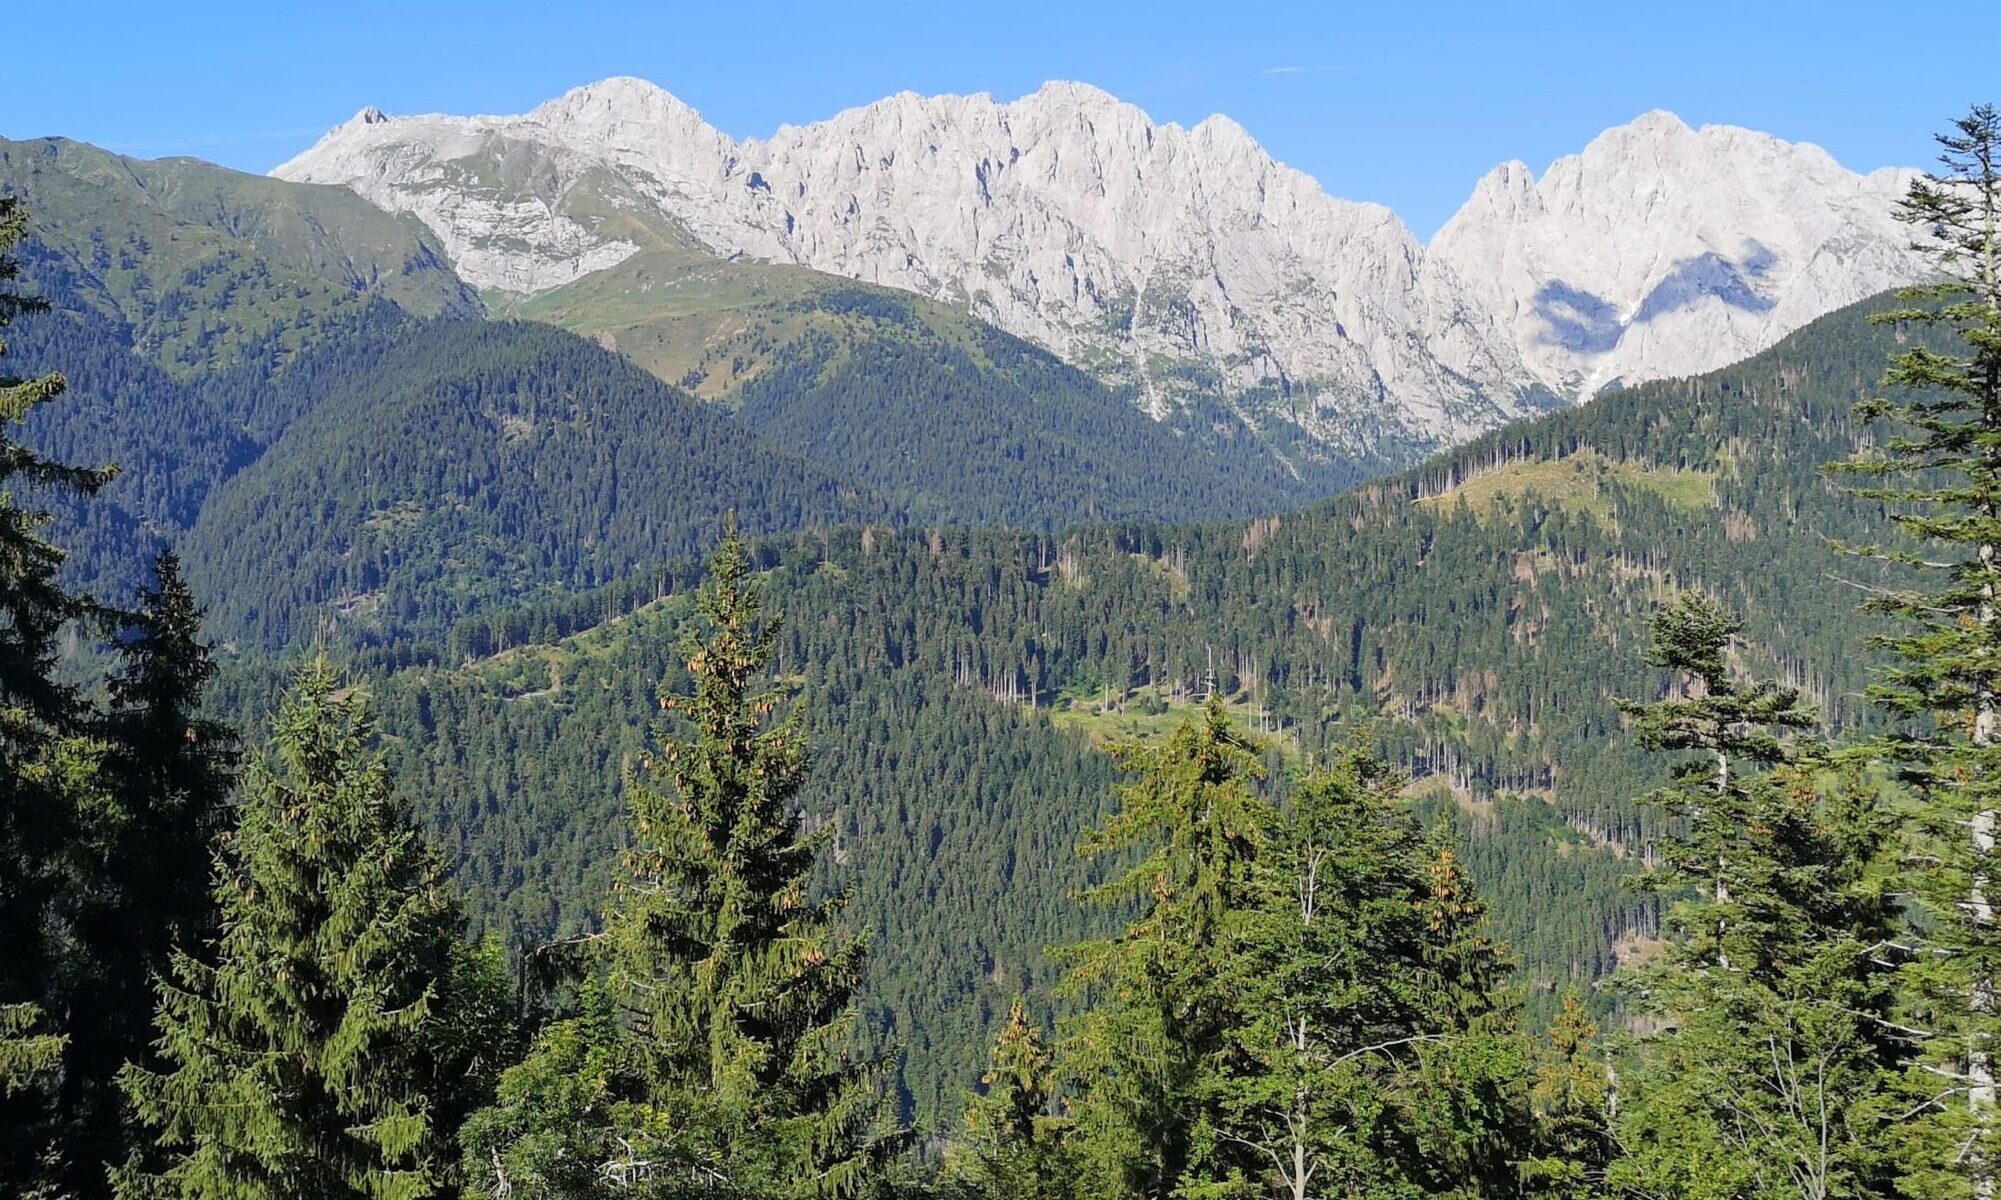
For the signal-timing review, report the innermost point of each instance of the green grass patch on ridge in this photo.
(1579, 484)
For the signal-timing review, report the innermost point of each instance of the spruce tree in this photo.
(164, 773)
(1012, 1145)
(1572, 1103)
(732, 979)
(46, 766)
(1769, 1076)
(1325, 965)
(1143, 1051)
(1732, 731)
(1373, 1050)
(172, 768)
(1940, 473)
(298, 1059)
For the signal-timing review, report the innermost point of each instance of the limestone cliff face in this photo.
(1184, 262)
(1663, 250)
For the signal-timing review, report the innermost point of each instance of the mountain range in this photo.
(1184, 266)
(286, 366)
(325, 402)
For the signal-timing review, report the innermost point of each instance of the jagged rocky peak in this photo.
(1666, 250)
(621, 112)
(1185, 262)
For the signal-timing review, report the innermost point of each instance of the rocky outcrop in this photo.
(1184, 262)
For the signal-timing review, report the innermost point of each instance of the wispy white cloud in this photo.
(1288, 70)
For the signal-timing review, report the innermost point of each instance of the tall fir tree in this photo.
(1731, 732)
(1143, 1051)
(147, 843)
(733, 981)
(1939, 470)
(46, 774)
(301, 1061)
(1770, 1075)
(1326, 967)
(1012, 1143)
(1372, 1050)
(173, 769)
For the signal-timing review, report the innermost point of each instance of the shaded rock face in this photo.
(1185, 263)
(1663, 250)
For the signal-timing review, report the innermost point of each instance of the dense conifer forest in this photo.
(1600, 809)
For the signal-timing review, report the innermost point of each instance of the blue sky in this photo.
(1399, 101)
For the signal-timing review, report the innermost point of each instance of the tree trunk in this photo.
(1981, 1089)
(1980, 1058)
(1721, 891)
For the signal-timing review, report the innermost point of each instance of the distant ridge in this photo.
(1184, 262)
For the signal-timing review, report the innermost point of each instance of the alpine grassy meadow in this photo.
(448, 761)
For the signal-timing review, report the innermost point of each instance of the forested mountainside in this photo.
(406, 458)
(1482, 612)
(1480, 616)
(924, 403)
(756, 892)
(471, 463)
(967, 425)
(203, 312)
(408, 471)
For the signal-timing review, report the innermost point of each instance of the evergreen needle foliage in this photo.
(733, 978)
(1771, 1074)
(300, 1055)
(25, 1053)
(1372, 1050)
(1155, 1009)
(1572, 1103)
(1307, 1002)
(47, 776)
(1940, 467)
(1013, 1144)
(723, 1050)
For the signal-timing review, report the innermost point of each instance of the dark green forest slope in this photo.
(202, 311)
(1482, 615)
(406, 473)
(476, 462)
(968, 425)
